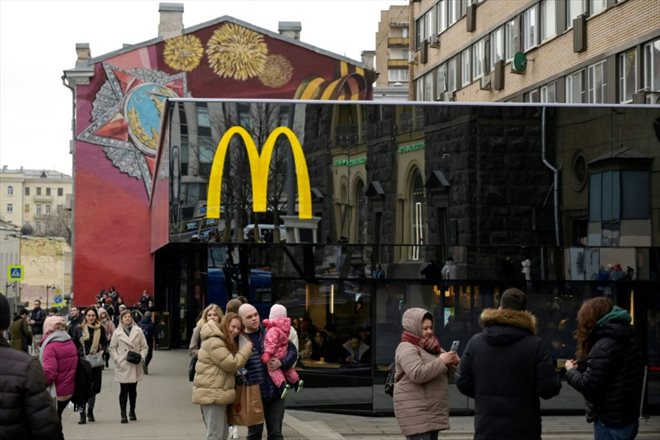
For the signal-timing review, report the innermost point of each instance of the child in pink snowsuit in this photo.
(276, 344)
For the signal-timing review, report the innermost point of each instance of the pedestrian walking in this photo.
(36, 321)
(26, 409)
(258, 374)
(109, 328)
(506, 369)
(423, 369)
(90, 339)
(218, 360)
(20, 333)
(59, 358)
(609, 371)
(151, 335)
(127, 338)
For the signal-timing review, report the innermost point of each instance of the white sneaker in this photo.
(233, 431)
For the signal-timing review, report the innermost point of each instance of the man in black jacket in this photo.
(36, 321)
(506, 368)
(26, 409)
(258, 374)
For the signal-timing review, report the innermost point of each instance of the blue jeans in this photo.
(603, 432)
(274, 415)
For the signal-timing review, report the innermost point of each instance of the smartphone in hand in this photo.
(454, 345)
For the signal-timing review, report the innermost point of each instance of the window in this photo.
(419, 87)
(453, 11)
(440, 81)
(26, 209)
(531, 96)
(530, 28)
(496, 46)
(441, 16)
(10, 208)
(27, 190)
(60, 192)
(574, 8)
(510, 40)
(619, 195)
(397, 75)
(10, 190)
(549, 92)
(597, 83)
(48, 209)
(418, 216)
(428, 87)
(575, 89)
(39, 226)
(451, 75)
(466, 71)
(597, 6)
(38, 209)
(549, 19)
(38, 190)
(652, 65)
(627, 75)
(47, 191)
(479, 59)
(60, 209)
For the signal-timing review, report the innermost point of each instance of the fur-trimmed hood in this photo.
(505, 326)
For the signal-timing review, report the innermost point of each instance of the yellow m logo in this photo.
(259, 167)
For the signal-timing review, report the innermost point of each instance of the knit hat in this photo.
(5, 316)
(51, 322)
(277, 311)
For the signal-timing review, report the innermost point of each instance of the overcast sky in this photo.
(37, 43)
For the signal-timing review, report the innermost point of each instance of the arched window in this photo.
(10, 190)
(417, 200)
(360, 213)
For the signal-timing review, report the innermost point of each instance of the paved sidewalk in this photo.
(165, 411)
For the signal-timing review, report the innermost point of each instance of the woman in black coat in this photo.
(90, 338)
(609, 372)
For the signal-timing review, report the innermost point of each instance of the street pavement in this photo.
(165, 411)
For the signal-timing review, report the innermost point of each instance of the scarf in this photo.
(431, 345)
(97, 335)
(127, 329)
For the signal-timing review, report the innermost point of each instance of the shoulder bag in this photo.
(96, 359)
(133, 357)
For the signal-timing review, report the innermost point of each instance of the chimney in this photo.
(171, 20)
(84, 54)
(290, 29)
(368, 57)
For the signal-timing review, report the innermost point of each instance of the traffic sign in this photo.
(15, 272)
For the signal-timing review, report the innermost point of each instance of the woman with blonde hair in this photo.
(609, 371)
(219, 358)
(211, 312)
(128, 337)
(109, 328)
(90, 338)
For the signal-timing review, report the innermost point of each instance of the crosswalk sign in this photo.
(15, 272)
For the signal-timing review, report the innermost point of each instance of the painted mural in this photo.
(118, 118)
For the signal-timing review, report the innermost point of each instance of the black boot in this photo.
(90, 415)
(83, 418)
(131, 415)
(123, 415)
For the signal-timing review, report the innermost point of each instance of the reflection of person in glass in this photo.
(323, 348)
(355, 351)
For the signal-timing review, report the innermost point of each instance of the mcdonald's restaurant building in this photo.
(336, 209)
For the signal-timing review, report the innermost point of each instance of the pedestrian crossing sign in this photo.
(15, 272)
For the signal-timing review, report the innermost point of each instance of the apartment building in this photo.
(567, 51)
(38, 198)
(392, 54)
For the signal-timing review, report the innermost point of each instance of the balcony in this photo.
(398, 41)
(397, 63)
(43, 199)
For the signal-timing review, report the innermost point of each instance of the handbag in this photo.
(133, 357)
(248, 409)
(95, 360)
(191, 368)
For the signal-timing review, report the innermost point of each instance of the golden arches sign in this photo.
(259, 167)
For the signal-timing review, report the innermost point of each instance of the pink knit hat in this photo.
(51, 322)
(277, 311)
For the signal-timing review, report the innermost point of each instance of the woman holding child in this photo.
(218, 360)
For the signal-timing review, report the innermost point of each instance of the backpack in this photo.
(390, 379)
(84, 387)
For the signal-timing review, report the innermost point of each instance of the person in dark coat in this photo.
(150, 331)
(26, 408)
(257, 373)
(20, 333)
(506, 369)
(609, 372)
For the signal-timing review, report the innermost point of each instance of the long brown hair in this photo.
(588, 315)
(232, 346)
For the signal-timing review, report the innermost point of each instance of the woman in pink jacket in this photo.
(59, 358)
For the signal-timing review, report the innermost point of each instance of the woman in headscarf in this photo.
(218, 361)
(59, 358)
(127, 337)
(609, 371)
(109, 327)
(421, 401)
(90, 338)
